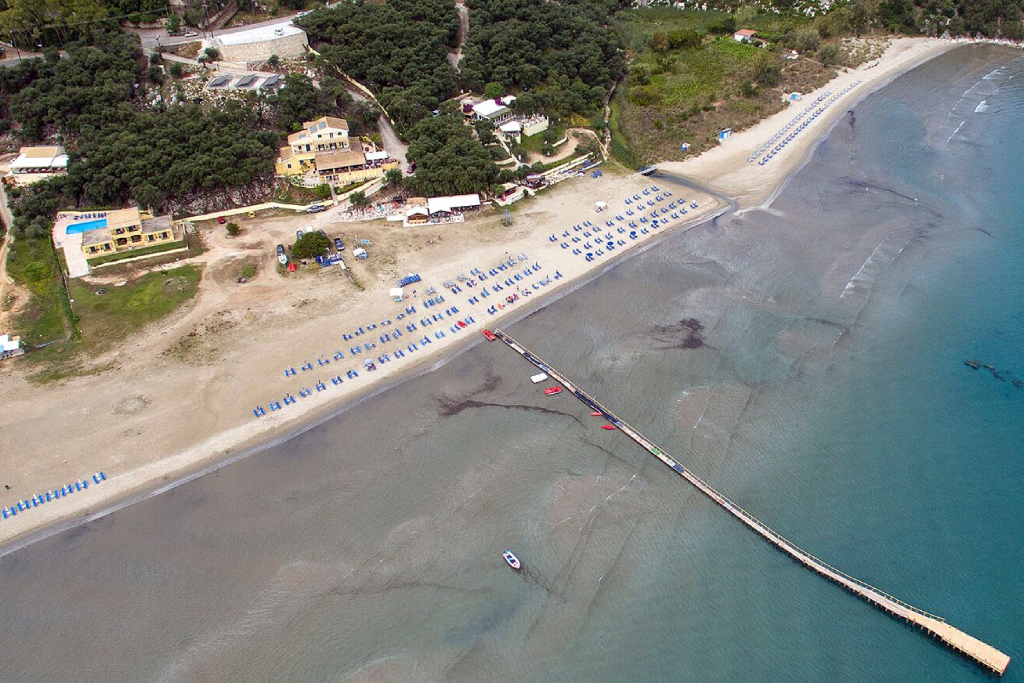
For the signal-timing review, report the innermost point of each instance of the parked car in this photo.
(282, 259)
(252, 214)
(190, 34)
(315, 208)
(338, 244)
(411, 168)
(298, 234)
(280, 250)
(222, 220)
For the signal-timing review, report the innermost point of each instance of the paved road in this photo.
(152, 38)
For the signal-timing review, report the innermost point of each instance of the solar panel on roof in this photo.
(272, 81)
(245, 81)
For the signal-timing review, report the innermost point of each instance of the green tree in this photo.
(233, 228)
(176, 69)
(358, 199)
(173, 23)
(211, 54)
(310, 245)
(323, 191)
(830, 54)
(493, 90)
(273, 61)
(393, 177)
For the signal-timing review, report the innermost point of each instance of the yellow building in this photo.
(115, 231)
(344, 167)
(326, 134)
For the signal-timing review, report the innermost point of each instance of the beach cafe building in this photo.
(423, 211)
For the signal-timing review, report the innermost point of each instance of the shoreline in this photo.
(221, 447)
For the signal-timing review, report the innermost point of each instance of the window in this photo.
(136, 239)
(149, 238)
(164, 235)
(121, 241)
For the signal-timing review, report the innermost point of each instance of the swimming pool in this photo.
(82, 226)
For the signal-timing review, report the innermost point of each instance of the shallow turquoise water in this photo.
(830, 398)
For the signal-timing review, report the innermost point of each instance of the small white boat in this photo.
(512, 560)
(537, 379)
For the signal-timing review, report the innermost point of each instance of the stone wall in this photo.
(285, 47)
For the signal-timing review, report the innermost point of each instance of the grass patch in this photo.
(47, 315)
(686, 94)
(107, 319)
(135, 253)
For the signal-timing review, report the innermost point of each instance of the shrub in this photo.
(830, 55)
(273, 61)
(233, 228)
(807, 41)
(358, 199)
(310, 245)
(323, 191)
(176, 69)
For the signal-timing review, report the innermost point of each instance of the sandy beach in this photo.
(178, 398)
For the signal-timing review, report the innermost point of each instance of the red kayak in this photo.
(551, 391)
(595, 413)
(489, 335)
(607, 426)
(461, 323)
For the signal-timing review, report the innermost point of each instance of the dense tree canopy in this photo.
(562, 52)
(178, 151)
(300, 99)
(397, 49)
(449, 160)
(89, 88)
(120, 148)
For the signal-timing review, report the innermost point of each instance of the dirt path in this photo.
(7, 286)
(455, 57)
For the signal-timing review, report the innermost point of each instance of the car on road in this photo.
(338, 244)
(298, 234)
(222, 220)
(315, 208)
(190, 34)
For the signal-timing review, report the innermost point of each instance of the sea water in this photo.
(805, 357)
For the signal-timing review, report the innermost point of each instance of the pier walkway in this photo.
(970, 647)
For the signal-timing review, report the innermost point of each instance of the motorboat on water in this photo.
(512, 560)
(551, 391)
(489, 336)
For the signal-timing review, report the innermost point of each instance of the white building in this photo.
(257, 44)
(38, 163)
(496, 110)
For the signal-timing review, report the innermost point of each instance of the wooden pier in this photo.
(969, 646)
